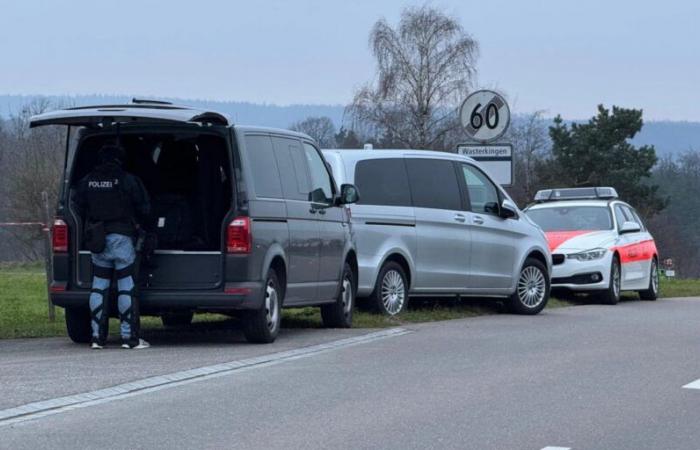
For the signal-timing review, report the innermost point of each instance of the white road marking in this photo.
(557, 448)
(49, 407)
(694, 385)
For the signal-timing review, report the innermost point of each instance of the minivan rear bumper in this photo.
(235, 296)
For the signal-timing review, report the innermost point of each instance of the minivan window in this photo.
(263, 166)
(293, 172)
(433, 183)
(383, 182)
(481, 190)
(321, 184)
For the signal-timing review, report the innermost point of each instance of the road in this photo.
(584, 377)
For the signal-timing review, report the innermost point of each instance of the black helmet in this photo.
(111, 152)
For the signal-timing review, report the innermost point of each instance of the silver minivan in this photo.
(432, 223)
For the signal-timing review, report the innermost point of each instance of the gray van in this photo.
(248, 219)
(433, 223)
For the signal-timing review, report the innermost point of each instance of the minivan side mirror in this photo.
(348, 194)
(508, 210)
(630, 227)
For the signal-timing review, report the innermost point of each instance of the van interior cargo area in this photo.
(186, 174)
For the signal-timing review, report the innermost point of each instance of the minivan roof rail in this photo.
(140, 101)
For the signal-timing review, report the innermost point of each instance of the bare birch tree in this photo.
(425, 68)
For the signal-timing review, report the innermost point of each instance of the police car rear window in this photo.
(572, 218)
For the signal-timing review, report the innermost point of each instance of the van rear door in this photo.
(98, 116)
(171, 269)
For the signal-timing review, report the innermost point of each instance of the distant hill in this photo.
(668, 137)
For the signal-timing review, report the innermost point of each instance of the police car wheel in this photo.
(612, 294)
(652, 292)
(531, 289)
(78, 325)
(263, 325)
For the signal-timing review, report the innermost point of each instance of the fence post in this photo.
(47, 254)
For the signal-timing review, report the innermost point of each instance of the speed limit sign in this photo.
(485, 116)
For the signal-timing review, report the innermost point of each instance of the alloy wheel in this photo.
(393, 292)
(531, 286)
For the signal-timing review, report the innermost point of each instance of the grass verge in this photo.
(23, 307)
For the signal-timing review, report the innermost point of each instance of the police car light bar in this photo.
(551, 195)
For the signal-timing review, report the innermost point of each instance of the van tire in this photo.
(339, 313)
(78, 325)
(177, 319)
(263, 325)
(611, 295)
(393, 276)
(533, 271)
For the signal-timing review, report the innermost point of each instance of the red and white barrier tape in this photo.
(22, 224)
(16, 224)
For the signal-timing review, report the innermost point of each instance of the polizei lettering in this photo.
(100, 184)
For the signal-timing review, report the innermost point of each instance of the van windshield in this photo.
(572, 218)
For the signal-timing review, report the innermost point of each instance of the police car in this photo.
(598, 243)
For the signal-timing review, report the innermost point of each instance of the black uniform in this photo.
(112, 202)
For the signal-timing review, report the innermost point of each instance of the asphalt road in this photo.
(585, 377)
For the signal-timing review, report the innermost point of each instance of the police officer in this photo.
(113, 202)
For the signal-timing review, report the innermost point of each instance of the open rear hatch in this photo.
(187, 171)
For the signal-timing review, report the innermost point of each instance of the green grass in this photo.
(24, 309)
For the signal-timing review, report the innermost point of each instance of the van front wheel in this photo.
(531, 289)
(263, 324)
(78, 325)
(339, 313)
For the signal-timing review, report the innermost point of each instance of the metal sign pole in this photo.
(47, 254)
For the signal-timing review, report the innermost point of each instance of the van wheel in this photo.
(531, 290)
(263, 325)
(177, 319)
(652, 292)
(391, 290)
(339, 313)
(78, 325)
(612, 294)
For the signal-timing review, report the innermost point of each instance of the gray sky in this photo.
(562, 56)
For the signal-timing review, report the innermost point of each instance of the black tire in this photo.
(531, 289)
(339, 313)
(611, 295)
(652, 292)
(177, 319)
(263, 325)
(78, 325)
(390, 295)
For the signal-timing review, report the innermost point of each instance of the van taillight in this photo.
(238, 238)
(59, 236)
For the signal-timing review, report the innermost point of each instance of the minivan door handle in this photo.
(478, 220)
(460, 218)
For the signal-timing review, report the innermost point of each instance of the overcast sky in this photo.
(560, 56)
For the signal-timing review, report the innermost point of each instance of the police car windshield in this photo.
(572, 218)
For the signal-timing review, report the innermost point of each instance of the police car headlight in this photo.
(588, 255)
